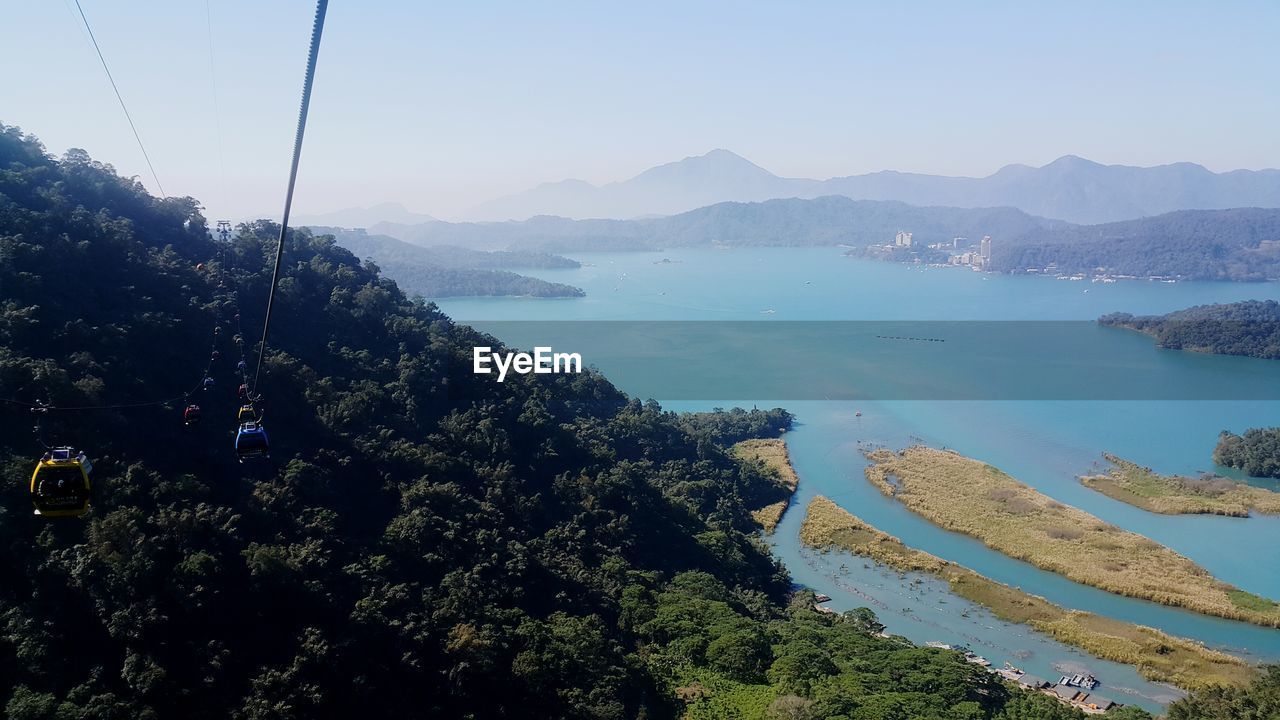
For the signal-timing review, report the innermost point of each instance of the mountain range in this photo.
(1069, 188)
(831, 220)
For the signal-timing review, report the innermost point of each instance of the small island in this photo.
(970, 497)
(1157, 655)
(1178, 495)
(770, 455)
(1257, 452)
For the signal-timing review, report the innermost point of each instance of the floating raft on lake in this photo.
(911, 339)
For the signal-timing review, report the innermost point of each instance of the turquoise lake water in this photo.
(1045, 444)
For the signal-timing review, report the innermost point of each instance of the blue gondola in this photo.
(251, 441)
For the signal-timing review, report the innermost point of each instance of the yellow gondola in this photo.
(246, 414)
(60, 483)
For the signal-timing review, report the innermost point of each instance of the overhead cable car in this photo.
(246, 414)
(60, 483)
(251, 442)
(191, 415)
(208, 382)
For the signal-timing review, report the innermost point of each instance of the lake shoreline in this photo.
(964, 495)
(1144, 488)
(1158, 656)
(773, 456)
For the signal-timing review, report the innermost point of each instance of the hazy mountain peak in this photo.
(364, 217)
(720, 163)
(1073, 162)
(567, 184)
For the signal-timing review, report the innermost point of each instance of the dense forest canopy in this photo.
(424, 543)
(1257, 452)
(1251, 328)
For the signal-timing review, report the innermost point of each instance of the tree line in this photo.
(1257, 452)
(1250, 328)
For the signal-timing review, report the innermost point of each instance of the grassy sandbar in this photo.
(1177, 495)
(967, 496)
(772, 454)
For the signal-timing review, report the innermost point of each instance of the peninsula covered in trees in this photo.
(450, 271)
(1257, 452)
(1250, 328)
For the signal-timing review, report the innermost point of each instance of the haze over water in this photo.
(1045, 444)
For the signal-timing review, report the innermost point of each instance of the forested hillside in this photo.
(423, 543)
(1250, 327)
(1241, 244)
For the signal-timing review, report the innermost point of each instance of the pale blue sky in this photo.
(444, 105)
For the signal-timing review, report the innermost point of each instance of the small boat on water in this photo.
(858, 414)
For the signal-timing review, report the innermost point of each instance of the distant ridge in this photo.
(831, 220)
(1070, 188)
(363, 217)
(1234, 244)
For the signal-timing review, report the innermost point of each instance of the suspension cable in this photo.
(127, 116)
(217, 113)
(321, 7)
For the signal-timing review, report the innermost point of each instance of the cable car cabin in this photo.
(243, 391)
(246, 414)
(251, 442)
(60, 484)
(191, 415)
